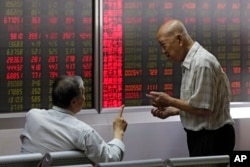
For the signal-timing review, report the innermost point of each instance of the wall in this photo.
(146, 136)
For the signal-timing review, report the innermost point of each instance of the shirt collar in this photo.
(188, 59)
(62, 110)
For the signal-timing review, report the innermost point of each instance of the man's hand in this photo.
(119, 124)
(160, 99)
(165, 112)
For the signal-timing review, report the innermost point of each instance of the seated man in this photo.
(57, 129)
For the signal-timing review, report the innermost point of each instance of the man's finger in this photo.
(152, 94)
(155, 105)
(121, 110)
(155, 94)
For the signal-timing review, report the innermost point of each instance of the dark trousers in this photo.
(211, 142)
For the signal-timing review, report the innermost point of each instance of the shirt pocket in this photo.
(185, 94)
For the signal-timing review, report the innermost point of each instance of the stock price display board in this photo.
(40, 40)
(133, 62)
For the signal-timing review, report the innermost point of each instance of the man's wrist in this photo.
(119, 135)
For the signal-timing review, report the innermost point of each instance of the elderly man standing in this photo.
(204, 104)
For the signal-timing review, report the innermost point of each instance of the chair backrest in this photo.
(20, 160)
(135, 163)
(84, 165)
(201, 161)
(64, 158)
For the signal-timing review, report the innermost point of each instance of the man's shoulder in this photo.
(35, 112)
(35, 109)
(81, 125)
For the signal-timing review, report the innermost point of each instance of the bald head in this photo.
(174, 40)
(172, 27)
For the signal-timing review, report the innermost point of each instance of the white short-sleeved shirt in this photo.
(59, 130)
(205, 85)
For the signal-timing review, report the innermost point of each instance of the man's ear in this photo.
(73, 104)
(179, 37)
(73, 101)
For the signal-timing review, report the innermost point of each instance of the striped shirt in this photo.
(204, 85)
